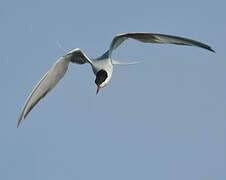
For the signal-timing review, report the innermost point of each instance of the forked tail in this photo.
(114, 62)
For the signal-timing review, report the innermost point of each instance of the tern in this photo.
(102, 67)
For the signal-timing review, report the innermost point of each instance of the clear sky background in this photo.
(162, 119)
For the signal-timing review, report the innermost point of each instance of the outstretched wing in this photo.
(50, 79)
(155, 38)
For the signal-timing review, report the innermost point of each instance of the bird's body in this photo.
(105, 64)
(102, 66)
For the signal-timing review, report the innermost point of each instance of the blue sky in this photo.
(162, 119)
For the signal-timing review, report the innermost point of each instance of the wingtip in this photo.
(19, 120)
(212, 50)
(18, 123)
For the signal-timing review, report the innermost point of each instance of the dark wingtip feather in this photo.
(207, 47)
(18, 125)
(212, 50)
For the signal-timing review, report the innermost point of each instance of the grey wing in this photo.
(50, 79)
(77, 56)
(155, 38)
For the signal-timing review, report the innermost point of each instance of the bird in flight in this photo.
(102, 67)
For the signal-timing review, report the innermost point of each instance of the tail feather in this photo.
(114, 62)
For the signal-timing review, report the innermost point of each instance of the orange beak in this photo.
(98, 89)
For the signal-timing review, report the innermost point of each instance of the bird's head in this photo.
(101, 77)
